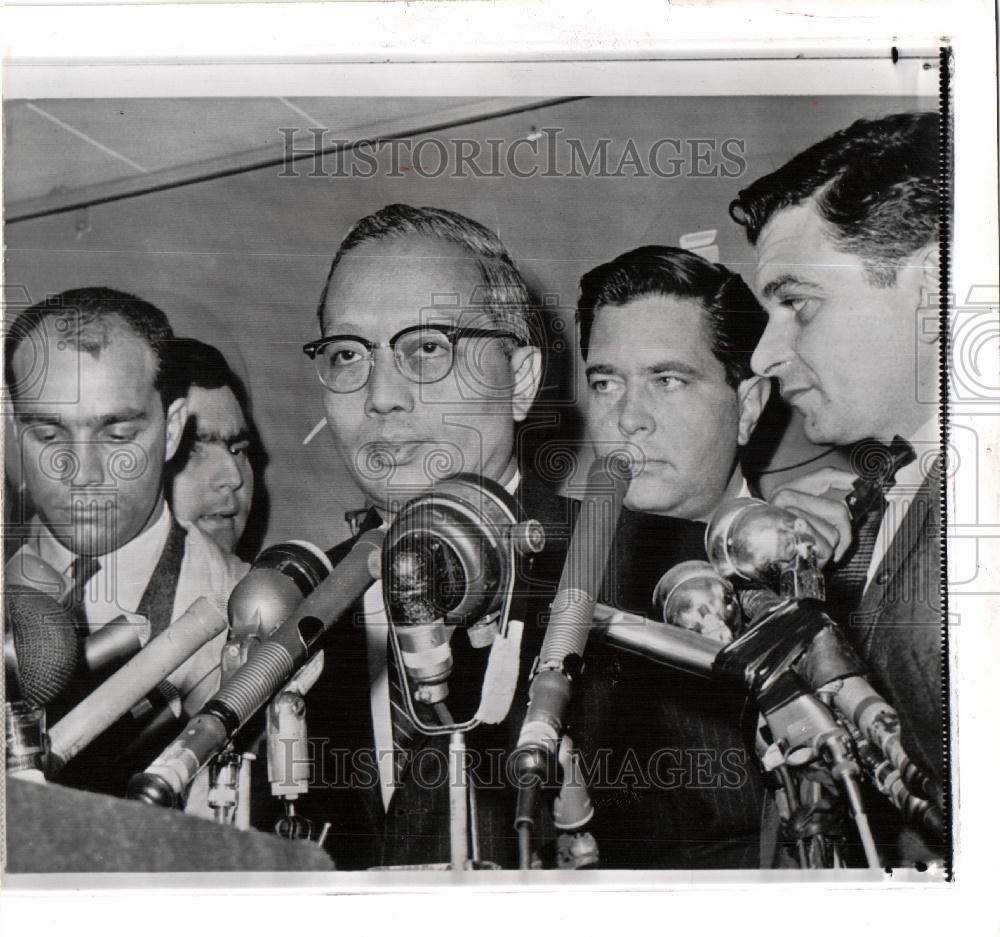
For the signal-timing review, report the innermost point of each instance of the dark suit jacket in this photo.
(415, 829)
(673, 784)
(899, 630)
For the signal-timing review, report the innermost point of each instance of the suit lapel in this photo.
(904, 542)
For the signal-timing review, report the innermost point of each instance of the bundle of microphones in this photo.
(753, 616)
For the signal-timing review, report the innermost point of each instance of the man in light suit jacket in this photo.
(428, 358)
(846, 238)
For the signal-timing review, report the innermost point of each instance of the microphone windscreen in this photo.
(45, 645)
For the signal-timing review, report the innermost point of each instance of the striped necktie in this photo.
(876, 466)
(84, 569)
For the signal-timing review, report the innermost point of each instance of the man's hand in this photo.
(817, 498)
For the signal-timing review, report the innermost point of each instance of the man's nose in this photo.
(226, 469)
(634, 415)
(774, 350)
(88, 460)
(387, 389)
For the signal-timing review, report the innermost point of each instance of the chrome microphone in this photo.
(447, 562)
(280, 577)
(754, 541)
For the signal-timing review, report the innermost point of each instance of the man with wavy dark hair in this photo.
(846, 237)
(96, 414)
(666, 338)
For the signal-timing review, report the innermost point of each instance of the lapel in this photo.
(922, 515)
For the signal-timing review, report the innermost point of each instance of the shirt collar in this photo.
(926, 443)
(139, 554)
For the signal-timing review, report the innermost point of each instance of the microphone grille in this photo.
(45, 642)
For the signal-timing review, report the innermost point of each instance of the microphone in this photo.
(571, 618)
(41, 650)
(118, 640)
(754, 541)
(130, 684)
(25, 571)
(281, 576)
(260, 678)
(447, 561)
(660, 642)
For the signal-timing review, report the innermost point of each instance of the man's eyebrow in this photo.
(33, 418)
(786, 279)
(681, 367)
(129, 415)
(230, 440)
(601, 369)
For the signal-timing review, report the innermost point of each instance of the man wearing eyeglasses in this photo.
(427, 358)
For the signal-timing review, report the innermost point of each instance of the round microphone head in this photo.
(280, 578)
(756, 541)
(44, 649)
(446, 554)
(693, 596)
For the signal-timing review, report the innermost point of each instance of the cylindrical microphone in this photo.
(657, 641)
(122, 690)
(279, 579)
(571, 618)
(260, 678)
(41, 648)
(118, 640)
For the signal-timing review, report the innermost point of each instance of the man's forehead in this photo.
(651, 327)
(88, 380)
(404, 275)
(795, 237)
(217, 412)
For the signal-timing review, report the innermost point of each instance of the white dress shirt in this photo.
(119, 585)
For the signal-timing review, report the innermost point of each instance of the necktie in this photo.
(404, 730)
(876, 466)
(84, 569)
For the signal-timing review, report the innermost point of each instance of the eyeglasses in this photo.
(423, 354)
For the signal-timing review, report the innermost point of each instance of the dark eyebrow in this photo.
(32, 418)
(681, 367)
(129, 415)
(241, 436)
(109, 419)
(600, 369)
(786, 279)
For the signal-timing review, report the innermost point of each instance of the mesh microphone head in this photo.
(41, 648)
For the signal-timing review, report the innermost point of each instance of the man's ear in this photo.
(177, 414)
(526, 366)
(752, 395)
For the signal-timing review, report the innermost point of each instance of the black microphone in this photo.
(571, 619)
(41, 648)
(255, 683)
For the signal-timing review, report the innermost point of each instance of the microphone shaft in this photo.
(259, 679)
(124, 688)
